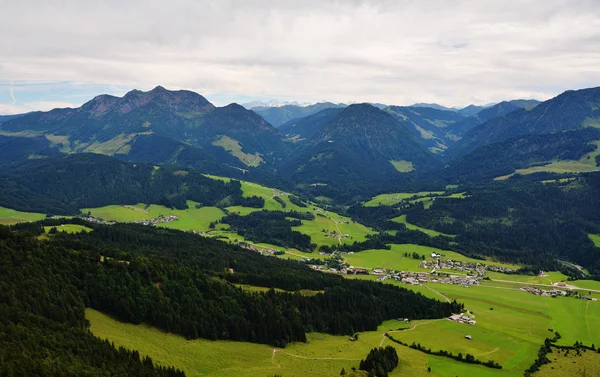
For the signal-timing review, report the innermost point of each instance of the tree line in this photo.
(184, 284)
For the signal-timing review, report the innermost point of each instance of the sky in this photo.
(61, 53)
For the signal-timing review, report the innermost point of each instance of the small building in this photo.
(469, 337)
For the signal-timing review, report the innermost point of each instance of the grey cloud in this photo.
(455, 52)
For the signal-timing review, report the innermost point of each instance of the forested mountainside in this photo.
(64, 184)
(278, 116)
(183, 283)
(459, 129)
(503, 158)
(361, 149)
(43, 330)
(572, 109)
(433, 126)
(343, 153)
(304, 128)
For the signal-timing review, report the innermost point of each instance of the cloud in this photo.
(396, 52)
(6, 109)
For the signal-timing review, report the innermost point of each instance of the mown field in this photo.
(10, 216)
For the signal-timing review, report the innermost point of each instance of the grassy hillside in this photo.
(323, 355)
(511, 325)
(10, 216)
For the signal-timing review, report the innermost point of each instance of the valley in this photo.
(217, 244)
(510, 326)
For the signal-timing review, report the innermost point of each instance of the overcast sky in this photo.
(62, 53)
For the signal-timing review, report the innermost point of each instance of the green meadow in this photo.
(395, 259)
(10, 216)
(595, 239)
(511, 325)
(322, 355)
(571, 364)
(549, 279)
(68, 228)
(391, 199)
(430, 232)
(586, 163)
(192, 218)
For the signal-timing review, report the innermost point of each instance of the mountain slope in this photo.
(503, 158)
(360, 150)
(64, 184)
(432, 125)
(569, 110)
(306, 127)
(277, 116)
(110, 125)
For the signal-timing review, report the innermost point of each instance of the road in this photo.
(436, 292)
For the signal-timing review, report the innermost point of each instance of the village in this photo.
(161, 219)
(473, 268)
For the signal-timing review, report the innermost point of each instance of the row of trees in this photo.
(468, 358)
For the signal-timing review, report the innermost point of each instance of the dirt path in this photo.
(275, 350)
(339, 232)
(409, 329)
(436, 292)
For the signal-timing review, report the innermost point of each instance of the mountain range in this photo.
(315, 149)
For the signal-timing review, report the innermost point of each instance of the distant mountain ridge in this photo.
(114, 126)
(569, 110)
(277, 116)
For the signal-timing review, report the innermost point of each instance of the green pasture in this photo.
(332, 222)
(394, 258)
(10, 216)
(512, 321)
(395, 198)
(192, 218)
(69, 228)
(586, 163)
(595, 239)
(432, 233)
(322, 355)
(551, 278)
(563, 364)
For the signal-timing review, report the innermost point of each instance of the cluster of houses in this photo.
(95, 220)
(542, 292)
(264, 251)
(335, 234)
(554, 292)
(463, 318)
(472, 268)
(416, 278)
(157, 220)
